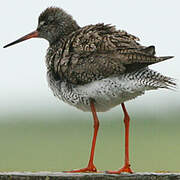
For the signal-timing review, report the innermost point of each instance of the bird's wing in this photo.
(99, 51)
(102, 38)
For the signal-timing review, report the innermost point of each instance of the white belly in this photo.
(106, 93)
(110, 92)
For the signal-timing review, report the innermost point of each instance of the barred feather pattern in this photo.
(109, 92)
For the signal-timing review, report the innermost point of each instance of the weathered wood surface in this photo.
(86, 176)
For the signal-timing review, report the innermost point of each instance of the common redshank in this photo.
(96, 68)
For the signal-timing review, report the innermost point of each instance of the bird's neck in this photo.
(54, 55)
(62, 33)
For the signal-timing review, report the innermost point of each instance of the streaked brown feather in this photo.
(99, 51)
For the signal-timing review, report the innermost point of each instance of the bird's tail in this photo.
(154, 80)
(163, 58)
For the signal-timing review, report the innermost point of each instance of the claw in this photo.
(90, 168)
(125, 169)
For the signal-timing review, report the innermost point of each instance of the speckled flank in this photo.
(109, 92)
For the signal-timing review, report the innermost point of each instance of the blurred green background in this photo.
(33, 142)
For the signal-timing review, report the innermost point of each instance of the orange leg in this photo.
(91, 167)
(126, 167)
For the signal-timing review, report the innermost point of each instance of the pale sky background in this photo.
(23, 85)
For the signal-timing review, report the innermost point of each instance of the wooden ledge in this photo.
(86, 176)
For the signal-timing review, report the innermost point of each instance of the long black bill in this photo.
(28, 36)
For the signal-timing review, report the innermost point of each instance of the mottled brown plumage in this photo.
(94, 52)
(99, 51)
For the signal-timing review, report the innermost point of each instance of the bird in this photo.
(95, 68)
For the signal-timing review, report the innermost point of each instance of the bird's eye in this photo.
(42, 23)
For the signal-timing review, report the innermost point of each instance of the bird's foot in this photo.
(89, 168)
(125, 168)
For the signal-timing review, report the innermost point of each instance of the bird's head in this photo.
(54, 24)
